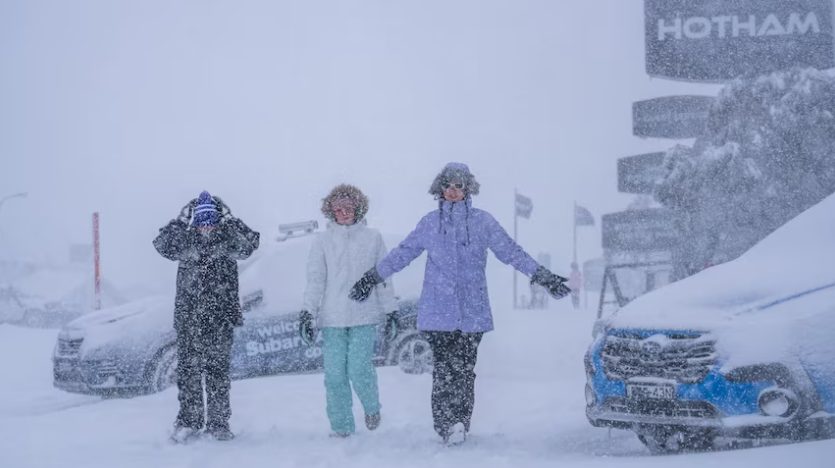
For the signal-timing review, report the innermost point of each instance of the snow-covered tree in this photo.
(768, 154)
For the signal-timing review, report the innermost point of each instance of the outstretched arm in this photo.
(396, 260)
(511, 253)
(507, 250)
(401, 256)
(385, 290)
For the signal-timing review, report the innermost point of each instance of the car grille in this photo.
(105, 368)
(665, 408)
(685, 358)
(66, 370)
(68, 348)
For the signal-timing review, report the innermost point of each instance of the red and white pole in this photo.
(96, 263)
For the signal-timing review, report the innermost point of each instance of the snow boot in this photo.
(184, 434)
(221, 434)
(455, 435)
(372, 421)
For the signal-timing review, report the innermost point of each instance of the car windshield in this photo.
(625, 281)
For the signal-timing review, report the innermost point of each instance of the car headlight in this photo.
(776, 401)
(589, 364)
(591, 398)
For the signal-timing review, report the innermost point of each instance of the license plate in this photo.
(64, 367)
(66, 370)
(650, 392)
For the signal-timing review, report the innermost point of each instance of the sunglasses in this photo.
(456, 185)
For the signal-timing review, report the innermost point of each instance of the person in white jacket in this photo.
(338, 256)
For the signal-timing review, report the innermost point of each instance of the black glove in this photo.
(225, 212)
(237, 320)
(392, 326)
(362, 288)
(185, 212)
(554, 284)
(306, 327)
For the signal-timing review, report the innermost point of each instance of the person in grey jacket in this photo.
(337, 257)
(454, 308)
(207, 241)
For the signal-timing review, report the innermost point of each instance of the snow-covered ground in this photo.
(529, 412)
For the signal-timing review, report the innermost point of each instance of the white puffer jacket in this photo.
(338, 258)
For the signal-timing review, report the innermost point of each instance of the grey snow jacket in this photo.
(207, 277)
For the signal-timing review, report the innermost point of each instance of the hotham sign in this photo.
(651, 229)
(717, 40)
(641, 173)
(671, 116)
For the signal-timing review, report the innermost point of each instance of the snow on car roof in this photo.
(796, 257)
(72, 285)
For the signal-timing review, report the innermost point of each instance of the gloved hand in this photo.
(306, 327)
(185, 212)
(237, 320)
(554, 284)
(235, 225)
(225, 212)
(362, 288)
(392, 326)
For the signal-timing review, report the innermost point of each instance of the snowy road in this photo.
(529, 412)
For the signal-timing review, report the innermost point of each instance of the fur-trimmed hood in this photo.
(346, 191)
(454, 171)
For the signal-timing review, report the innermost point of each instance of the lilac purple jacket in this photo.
(456, 238)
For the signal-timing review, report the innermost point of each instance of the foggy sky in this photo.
(132, 108)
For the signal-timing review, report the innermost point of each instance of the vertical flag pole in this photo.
(574, 215)
(515, 232)
(96, 263)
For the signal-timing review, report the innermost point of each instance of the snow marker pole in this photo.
(575, 231)
(96, 263)
(515, 232)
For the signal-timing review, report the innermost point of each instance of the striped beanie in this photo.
(206, 212)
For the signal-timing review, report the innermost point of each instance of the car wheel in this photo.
(414, 355)
(164, 372)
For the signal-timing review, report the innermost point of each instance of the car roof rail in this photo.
(300, 229)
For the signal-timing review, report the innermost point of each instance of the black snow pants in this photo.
(453, 378)
(204, 351)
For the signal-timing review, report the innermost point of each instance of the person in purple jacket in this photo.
(454, 308)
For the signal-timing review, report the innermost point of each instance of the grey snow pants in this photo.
(204, 352)
(453, 378)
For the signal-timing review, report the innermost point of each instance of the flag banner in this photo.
(524, 206)
(582, 216)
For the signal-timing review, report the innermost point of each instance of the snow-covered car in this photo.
(742, 350)
(131, 349)
(50, 296)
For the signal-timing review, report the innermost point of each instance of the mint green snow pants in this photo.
(348, 352)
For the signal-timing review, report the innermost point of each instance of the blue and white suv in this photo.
(743, 350)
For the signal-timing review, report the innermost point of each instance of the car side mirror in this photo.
(252, 300)
(598, 328)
